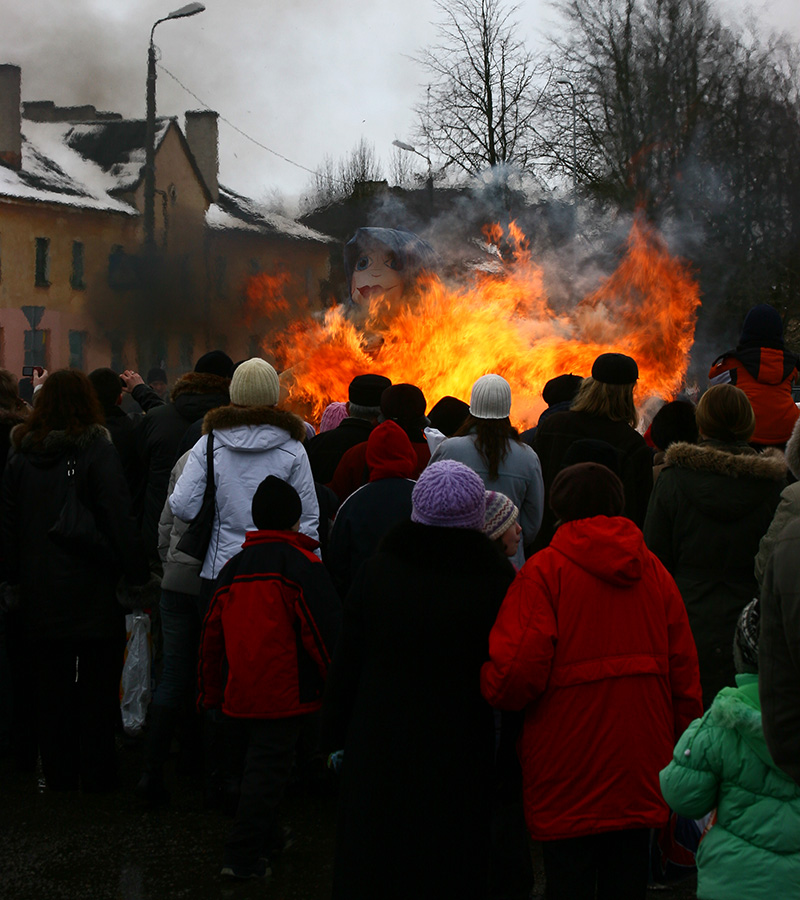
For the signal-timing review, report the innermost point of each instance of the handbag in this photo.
(75, 530)
(195, 540)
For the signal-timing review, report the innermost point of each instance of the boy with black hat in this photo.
(274, 591)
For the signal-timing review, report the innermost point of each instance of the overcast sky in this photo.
(306, 78)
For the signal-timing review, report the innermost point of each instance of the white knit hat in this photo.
(491, 398)
(255, 383)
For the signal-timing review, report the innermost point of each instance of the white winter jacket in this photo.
(250, 442)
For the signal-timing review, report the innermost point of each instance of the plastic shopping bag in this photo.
(135, 692)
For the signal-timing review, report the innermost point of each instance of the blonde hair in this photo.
(611, 401)
(725, 413)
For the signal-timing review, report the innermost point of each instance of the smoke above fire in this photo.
(451, 328)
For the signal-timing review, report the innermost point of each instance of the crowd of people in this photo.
(569, 634)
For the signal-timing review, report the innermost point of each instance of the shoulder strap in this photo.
(210, 486)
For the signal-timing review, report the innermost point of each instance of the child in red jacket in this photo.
(265, 649)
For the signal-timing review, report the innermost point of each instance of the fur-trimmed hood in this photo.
(11, 417)
(724, 484)
(57, 443)
(200, 383)
(225, 418)
(730, 460)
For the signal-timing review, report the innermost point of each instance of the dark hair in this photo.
(492, 438)
(107, 386)
(675, 421)
(66, 402)
(9, 392)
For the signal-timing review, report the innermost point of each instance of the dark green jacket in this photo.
(721, 762)
(709, 508)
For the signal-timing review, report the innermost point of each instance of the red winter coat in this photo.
(593, 642)
(766, 375)
(274, 618)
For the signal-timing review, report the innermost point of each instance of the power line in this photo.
(234, 127)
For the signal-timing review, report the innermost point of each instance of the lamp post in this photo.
(191, 9)
(411, 149)
(571, 86)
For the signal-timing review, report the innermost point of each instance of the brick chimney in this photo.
(10, 116)
(202, 135)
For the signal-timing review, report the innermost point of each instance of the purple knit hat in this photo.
(334, 413)
(450, 495)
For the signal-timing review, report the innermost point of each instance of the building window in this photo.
(42, 263)
(117, 342)
(187, 352)
(77, 279)
(36, 344)
(77, 349)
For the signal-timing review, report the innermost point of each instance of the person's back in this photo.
(593, 643)
(722, 763)
(368, 514)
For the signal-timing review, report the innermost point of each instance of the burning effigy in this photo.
(414, 326)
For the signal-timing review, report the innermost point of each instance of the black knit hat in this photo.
(762, 324)
(615, 368)
(215, 362)
(675, 421)
(403, 402)
(276, 505)
(585, 490)
(561, 389)
(366, 390)
(448, 415)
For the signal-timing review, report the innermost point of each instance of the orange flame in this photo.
(442, 338)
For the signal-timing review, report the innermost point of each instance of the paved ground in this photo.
(81, 847)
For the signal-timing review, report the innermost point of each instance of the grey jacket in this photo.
(519, 477)
(181, 572)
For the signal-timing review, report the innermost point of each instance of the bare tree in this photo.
(482, 98)
(335, 180)
(692, 119)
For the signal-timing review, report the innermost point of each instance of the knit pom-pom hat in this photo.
(450, 495)
(255, 383)
(490, 398)
(501, 513)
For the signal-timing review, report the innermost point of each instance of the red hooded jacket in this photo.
(593, 642)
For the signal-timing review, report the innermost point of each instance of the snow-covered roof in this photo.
(234, 212)
(55, 172)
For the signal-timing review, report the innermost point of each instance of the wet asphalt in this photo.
(74, 846)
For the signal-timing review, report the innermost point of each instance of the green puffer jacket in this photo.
(722, 761)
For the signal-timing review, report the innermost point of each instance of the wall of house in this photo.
(67, 302)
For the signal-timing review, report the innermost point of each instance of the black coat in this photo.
(326, 449)
(558, 432)
(403, 701)
(361, 523)
(159, 434)
(65, 594)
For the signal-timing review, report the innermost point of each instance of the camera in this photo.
(30, 371)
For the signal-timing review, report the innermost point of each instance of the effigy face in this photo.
(377, 273)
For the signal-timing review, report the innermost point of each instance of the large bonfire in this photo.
(442, 338)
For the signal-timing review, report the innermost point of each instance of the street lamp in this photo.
(571, 86)
(191, 9)
(411, 149)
